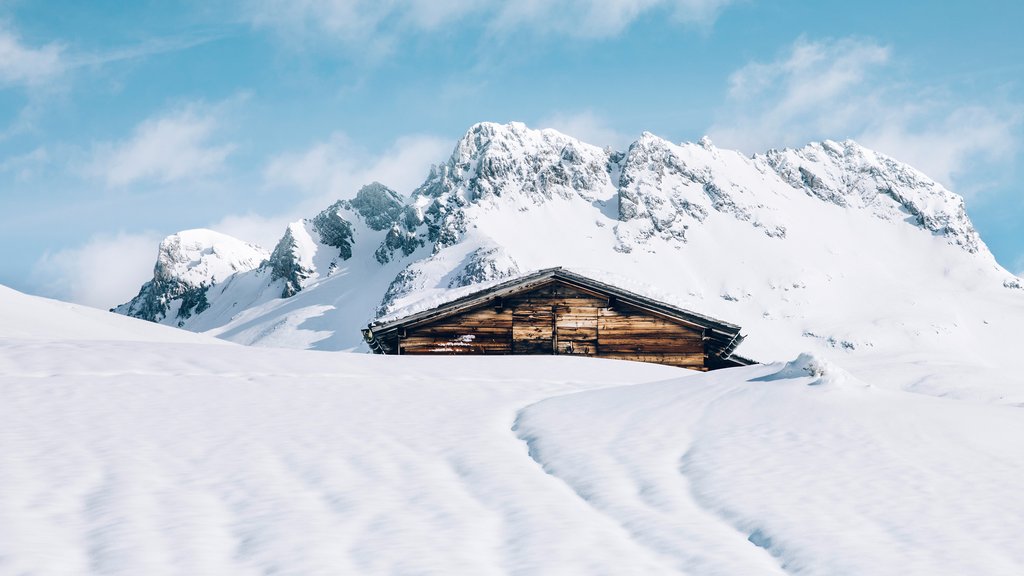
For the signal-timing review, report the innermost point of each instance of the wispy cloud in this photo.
(588, 126)
(338, 167)
(599, 18)
(813, 88)
(330, 170)
(149, 47)
(839, 89)
(181, 145)
(25, 166)
(28, 66)
(23, 65)
(376, 27)
(105, 271)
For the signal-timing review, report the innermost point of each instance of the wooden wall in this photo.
(562, 318)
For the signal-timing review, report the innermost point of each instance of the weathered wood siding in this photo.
(562, 319)
(480, 331)
(631, 334)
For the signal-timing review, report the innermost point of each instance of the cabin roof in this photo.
(723, 337)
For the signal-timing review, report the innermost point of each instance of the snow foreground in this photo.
(163, 457)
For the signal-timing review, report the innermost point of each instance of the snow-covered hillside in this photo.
(25, 317)
(121, 457)
(832, 248)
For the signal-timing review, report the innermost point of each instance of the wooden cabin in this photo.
(556, 311)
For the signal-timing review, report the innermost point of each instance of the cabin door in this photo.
(576, 330)
(533, 329)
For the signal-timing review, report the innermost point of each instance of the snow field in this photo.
(131, 448)
(170, 459)
(129, 458)
(736, 473)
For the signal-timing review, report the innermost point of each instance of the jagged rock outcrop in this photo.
(509, 162)
(287, 263)
(188, 264)
(379, 206)
(333, 230)
(849, 175)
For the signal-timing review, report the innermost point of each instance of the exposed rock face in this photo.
(334, 230)
(380, 206)
(512, 163)
(849, 175)
(486, 264)
(286, 263)
(188, 264)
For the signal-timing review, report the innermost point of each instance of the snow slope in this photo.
(766, 473)
(25, 317)
(121, 457)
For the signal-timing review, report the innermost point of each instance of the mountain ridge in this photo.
(824, 247)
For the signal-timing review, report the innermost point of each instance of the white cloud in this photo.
(948, 147)
(25, 166)
(331, 170)
(22, 65)
(104, 272)
(165, 149)
(599, 18)
(587, 126)
(375, 26)
(338, 167)
(264, 231)
(838, 89)
(815, 88)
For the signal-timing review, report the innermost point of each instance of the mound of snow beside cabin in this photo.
(122, 457)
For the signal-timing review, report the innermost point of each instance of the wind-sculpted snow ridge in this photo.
(831, 248)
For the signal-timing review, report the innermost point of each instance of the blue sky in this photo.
(120, 125)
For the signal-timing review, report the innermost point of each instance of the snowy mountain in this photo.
(188, 264)
(831, 247)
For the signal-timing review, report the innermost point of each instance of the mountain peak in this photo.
(188, 263)
(850, 175)
(200, 255)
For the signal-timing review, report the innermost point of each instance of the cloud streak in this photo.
(837, 89)
(330, 170)
(587, 126)
(337, 167)
(105, 271)
(376, 27)
(170, 148)
(27, 66)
